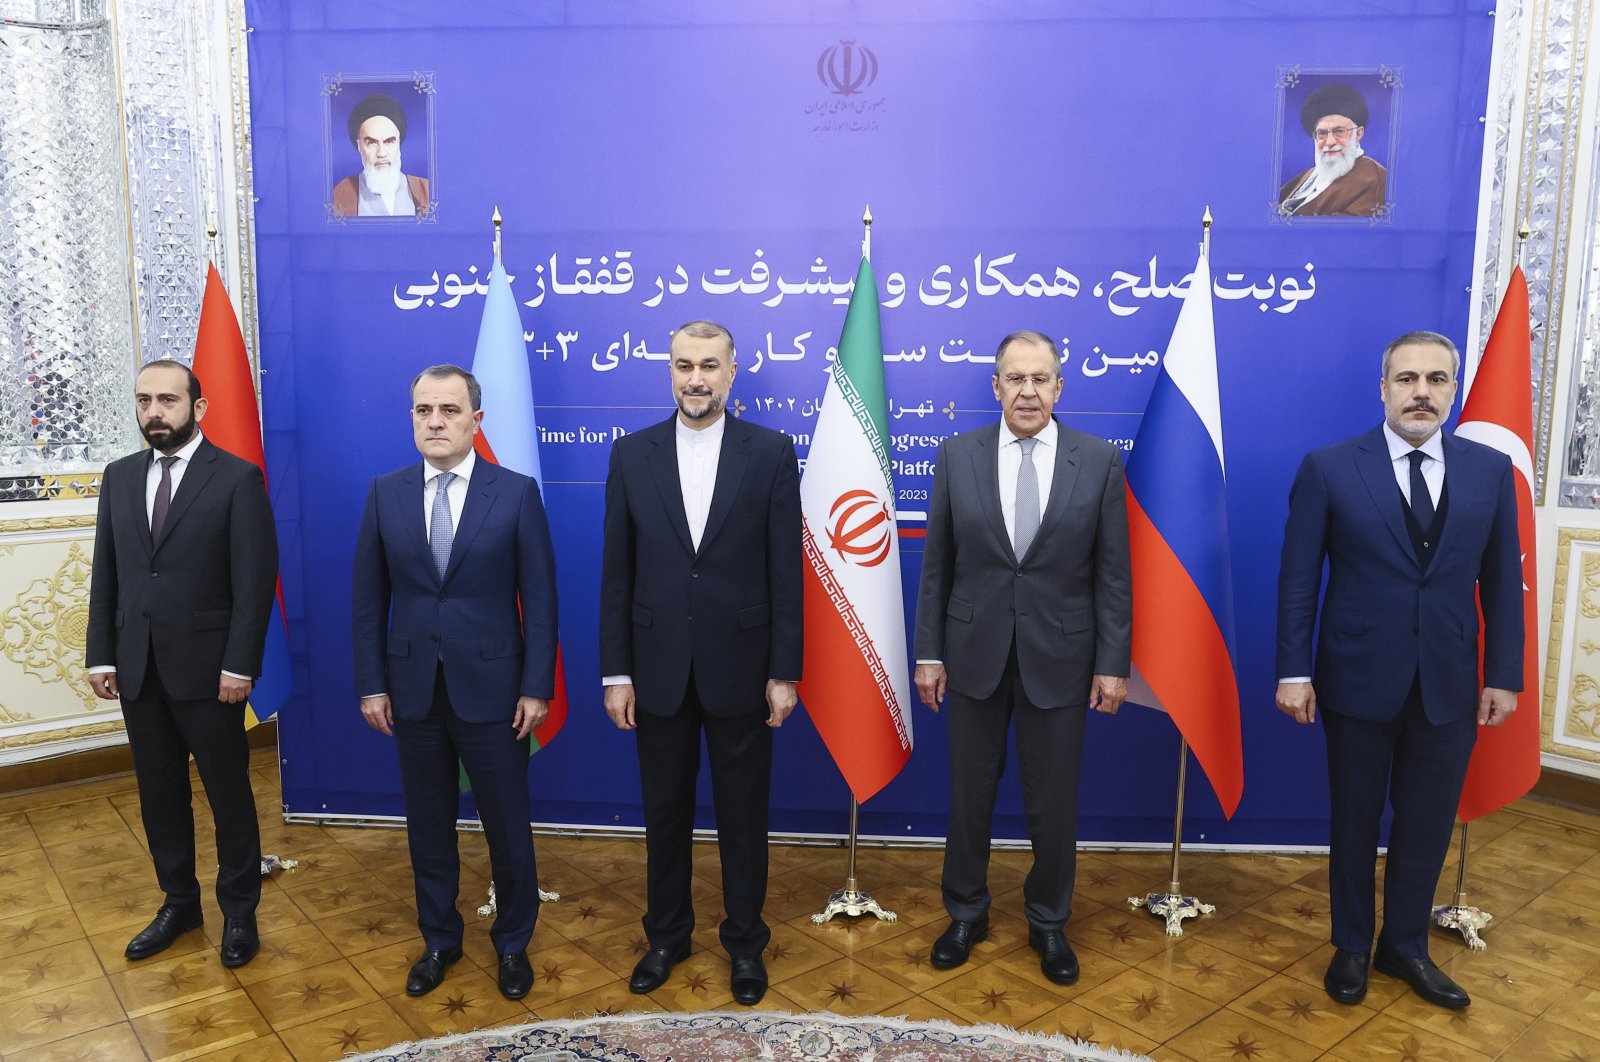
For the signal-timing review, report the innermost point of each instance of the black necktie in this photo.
(1421, 500)
(163, 502)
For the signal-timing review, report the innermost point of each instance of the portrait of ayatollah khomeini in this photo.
(1343, 181)
(377, 127)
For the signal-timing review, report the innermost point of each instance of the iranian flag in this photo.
(857, 687)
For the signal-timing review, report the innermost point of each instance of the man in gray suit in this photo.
(1025, 614)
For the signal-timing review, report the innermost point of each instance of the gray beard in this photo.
(1331, 167)
(384, 181)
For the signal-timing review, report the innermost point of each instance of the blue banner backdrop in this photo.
(1027, 168)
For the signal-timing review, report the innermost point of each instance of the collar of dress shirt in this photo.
(462, 469)
(1047, 434)
(709, 434)
(186, 451)
(1399, 448)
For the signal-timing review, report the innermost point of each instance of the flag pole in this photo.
(1458, 914)
(1173, 905)
(851, 900)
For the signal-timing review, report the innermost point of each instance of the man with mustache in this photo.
(1417, 529)
(185, 567)
(377, 127)
(700, 631)
(454, 629)
(1024, 620)
(1345, 181)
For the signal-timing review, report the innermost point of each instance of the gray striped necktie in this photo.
(441, 533)
(1026, 520)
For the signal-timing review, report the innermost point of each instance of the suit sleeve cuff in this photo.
(617, 680)
(1297, 678)
(103, 669)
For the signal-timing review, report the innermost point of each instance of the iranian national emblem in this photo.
(847, 69)
(859, 528)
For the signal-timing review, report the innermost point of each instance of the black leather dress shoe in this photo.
(516, 976)
(169, 924)
(1346, 979)
(1425, 979)
(428, 971)
(749, 980)
(652, 971)
(240, 942)
(955, 943)
(1055, 955)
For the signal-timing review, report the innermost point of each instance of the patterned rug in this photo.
(749, 1035)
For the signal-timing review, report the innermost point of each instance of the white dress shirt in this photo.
(152, 485)
(1400, 460)
(456, 493)
(699, 452)
(1044, 467)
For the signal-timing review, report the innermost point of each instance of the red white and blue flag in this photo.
(510, 433)
(1183, 645)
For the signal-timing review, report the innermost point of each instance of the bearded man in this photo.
(1345, 181)
(377, 128)
(185, 566)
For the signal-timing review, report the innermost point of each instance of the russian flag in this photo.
(510, 433)
(1183, 646)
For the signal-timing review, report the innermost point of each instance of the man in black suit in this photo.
(185, 568)
(454, 620)
(1025, 617)
(700, 630)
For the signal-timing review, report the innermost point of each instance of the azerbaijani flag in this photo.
(510, 433)
(1178, 533)
(233, 423)
(856, 685)
(1498, 412)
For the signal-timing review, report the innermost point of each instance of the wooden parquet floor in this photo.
(339, 933)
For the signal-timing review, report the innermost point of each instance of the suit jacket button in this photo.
(441, 597)
(433, 637)
(695, 574)
(154, 574)
(1019, 573)
(1414, 630)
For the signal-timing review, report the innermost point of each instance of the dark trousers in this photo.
(497, 767)
(163, 733)
(1049, 750)
(740, 749)
(1420, 768)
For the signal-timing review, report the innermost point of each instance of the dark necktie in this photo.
(441, 533)
(1421, 500)
(1026, 518)
(163, 502)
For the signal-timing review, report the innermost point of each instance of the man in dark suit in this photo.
(185, 566)
(1025, 617)
(455, 650)
(700, 629)
(1416, 527)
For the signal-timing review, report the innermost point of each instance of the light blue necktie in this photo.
(1026, 520)
(441, 533)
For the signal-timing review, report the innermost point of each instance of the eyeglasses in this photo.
(1016, 379)
(1338, 132)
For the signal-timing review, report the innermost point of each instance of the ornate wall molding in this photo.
(1572, 670)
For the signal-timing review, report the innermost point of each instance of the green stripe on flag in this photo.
(859, 368)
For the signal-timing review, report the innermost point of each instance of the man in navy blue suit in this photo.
(1417, 527)
(455, 649)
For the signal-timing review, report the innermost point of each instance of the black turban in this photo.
(379, 103)
(1329, 99)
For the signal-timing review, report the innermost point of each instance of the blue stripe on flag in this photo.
(1183, 490)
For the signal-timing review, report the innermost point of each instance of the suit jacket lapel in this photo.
(139, 478)
(201, 468)
(1062, 479)
(482, 490)
(986, 472)
(664, 471)
(1378, 473)
(1466, 490)
(732, 461)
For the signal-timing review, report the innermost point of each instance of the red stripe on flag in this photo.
(480, 444)
(558, 708)
(836, 698)
(1191, 673)
(913, 532)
